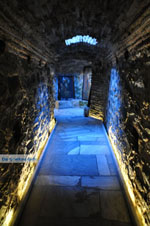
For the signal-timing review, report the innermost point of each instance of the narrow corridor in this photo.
(77, 184)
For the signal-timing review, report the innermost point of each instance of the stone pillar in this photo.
(99, 90)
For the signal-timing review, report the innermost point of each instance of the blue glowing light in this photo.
(114, 101)
(115, 113)
(42, 117)
(80, 38)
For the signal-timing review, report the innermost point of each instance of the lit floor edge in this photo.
(12, 219)
(137, 216)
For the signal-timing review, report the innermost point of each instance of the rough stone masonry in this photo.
(32, 42)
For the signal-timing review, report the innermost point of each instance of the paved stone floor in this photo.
(77, 184)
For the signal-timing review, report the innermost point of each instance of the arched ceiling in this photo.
(47, 23)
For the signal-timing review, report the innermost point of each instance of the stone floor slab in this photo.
(92, 137)
(73, 222)
(69, 139)
(70, 202)
(118, 223)
(93, 143)
(94, 149)
(74, 133)
(74, 151)
(102, 164)
(113, 206)
(101, 182)
(63, 147)
(33, 206)
(111, 164)
(57, 180)
(70, 165)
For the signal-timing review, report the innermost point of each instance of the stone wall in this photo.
(87, 75)
(26, 120)
(56, 87)
(78, 85)
(99, 90)
(128, 114)
(34, 34)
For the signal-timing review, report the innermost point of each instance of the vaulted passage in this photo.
(92, 57)
(77, 183)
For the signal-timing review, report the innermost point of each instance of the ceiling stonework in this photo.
(46, 24)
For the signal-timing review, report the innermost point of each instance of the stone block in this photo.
(70, 165)
(94, 149)
(101, 182)
(70, 202)
(103, 167)
(55, 180)
(113, 206)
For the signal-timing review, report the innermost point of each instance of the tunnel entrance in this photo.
(66, 87)
(71, 90)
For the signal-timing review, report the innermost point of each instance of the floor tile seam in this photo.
(89, 218)
(109, 190)
(61, 186)
(97, 189)
(107, 163)
(102, 189)
(79, 178)
(77, 218)
(107, 176)
(100, 207)
(97, 165)
(79, 147)
(79, 183)
(59, 175)
(117, 222)
(91, 154)
(41, 201)
(72, 175)
(111, 169)
(45, 174)
(76, 186)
